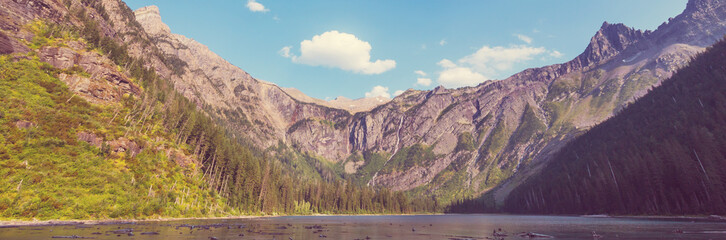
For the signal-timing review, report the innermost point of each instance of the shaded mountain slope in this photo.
(663, 154)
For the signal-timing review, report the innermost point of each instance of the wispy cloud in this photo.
(488, 62)
(338, 50)
(442, 42)
(524, 38)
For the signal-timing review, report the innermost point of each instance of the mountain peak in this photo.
(150, 18)
(698, 5)
(610, 40)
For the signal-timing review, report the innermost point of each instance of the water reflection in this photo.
(385, 227)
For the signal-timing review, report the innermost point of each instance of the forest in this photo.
(51, 174)
(662, 155)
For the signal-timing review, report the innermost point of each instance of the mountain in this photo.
(97, 122)
(663, 154)
(261, 111)
(449, 143)
(461, 142)
(242, 143)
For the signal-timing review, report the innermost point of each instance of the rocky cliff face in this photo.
(260, 111)
(89, 74)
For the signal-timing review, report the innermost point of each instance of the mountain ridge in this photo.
(515, 122)
(660, 155)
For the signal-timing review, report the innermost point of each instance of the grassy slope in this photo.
(49, 174)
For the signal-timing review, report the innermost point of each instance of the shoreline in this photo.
(25, 223)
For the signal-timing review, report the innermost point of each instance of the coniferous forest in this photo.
(55, 175)
(663, 154)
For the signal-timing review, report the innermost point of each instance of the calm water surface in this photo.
(383, 227)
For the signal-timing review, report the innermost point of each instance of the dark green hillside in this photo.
(664, 154)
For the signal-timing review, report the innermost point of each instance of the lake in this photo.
(450, 226)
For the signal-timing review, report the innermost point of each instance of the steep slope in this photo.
(68, 149)
(91, 126)
(259, 110)
(663, 154)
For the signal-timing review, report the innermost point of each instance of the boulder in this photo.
(90, 138)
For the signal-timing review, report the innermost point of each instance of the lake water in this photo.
(474, 226)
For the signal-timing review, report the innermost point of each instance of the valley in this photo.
(106, 113)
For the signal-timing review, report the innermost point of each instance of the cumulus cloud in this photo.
(490, 60)
(524, 38)
(442, 42)
(254, 6)
(487, 62)
(338, 50)
(424, 81)
(454, 76)
(378, 91)
(446, 63)
(420, 73)
(398, 92)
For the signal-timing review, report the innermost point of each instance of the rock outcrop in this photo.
(105, 83)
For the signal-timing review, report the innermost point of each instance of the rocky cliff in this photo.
(261, 112)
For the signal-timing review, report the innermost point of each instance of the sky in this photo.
(356, 48)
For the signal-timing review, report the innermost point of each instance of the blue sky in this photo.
(374, 48)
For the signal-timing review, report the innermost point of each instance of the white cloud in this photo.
(420, 73)
(492, 60)
(442, 42)
(378, 91)
(524, 38)
(398, 92)
(446, 63)
(285, 52)
(424, 81)
(254, 6)
(488, 62)
(339, 50)
(454, 76)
